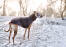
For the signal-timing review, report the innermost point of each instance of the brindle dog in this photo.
(23, 22)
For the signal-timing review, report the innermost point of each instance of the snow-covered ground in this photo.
(45, 32)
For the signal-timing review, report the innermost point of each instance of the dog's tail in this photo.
(3, 25)
(9, 27)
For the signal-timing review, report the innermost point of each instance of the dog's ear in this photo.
(35, 13)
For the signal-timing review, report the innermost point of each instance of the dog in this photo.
(23, 22)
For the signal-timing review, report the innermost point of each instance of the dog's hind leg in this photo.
(29, 31)
(24, 34)
(15, 32)
(10, 29)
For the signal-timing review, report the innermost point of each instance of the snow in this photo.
(45, 32)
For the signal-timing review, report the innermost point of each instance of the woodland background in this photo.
(48, 8)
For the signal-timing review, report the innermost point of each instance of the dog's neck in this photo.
(33, 17)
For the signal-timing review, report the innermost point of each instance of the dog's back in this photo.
(24, 22)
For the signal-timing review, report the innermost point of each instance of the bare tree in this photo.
(50, 5)
(4, 8)
(61, 11)
(20, 2)
(51, 2)
(23, 7)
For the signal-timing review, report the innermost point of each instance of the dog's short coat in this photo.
(23, 22)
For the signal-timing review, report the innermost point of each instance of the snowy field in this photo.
(45, 32)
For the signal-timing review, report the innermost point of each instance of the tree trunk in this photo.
(61, 11)
(62, 16)
(4, 14)
(20, 2)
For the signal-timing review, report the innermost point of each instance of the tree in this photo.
(50, 6)
(20, 2)
(23, 7)
(61, 11)
(4, 8)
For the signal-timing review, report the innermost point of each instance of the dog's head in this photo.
(37, 14)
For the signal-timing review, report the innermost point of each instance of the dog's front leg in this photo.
(29, 31)
(24, 34)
